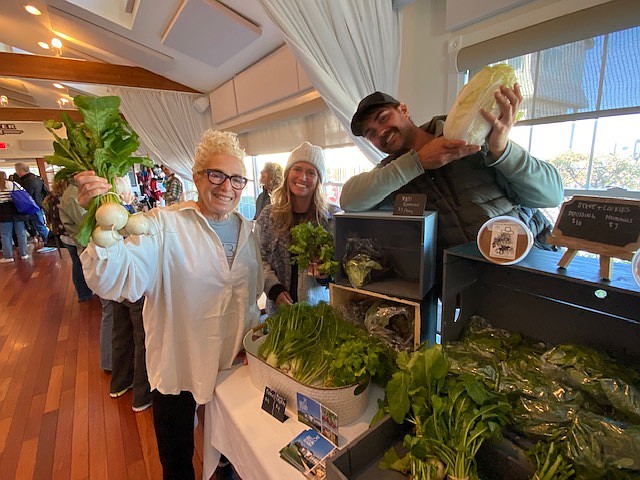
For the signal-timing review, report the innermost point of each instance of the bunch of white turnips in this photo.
(114, 223)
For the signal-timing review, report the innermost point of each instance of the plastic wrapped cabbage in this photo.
(358, 269)
(464, 121)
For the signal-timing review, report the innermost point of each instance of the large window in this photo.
(581, 111)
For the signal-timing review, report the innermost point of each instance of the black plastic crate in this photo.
(409, 243)
(542, 301)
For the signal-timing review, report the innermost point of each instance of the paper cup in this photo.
(504, 240)
(635, 267)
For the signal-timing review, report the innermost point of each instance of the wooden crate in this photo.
(423, 312)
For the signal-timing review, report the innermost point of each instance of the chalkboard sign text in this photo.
(274, 404)
(410, 204)
(608, 221)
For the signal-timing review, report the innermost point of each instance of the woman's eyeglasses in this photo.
(216, 177)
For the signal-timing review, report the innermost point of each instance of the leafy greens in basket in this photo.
(318, 348)
(104, 142)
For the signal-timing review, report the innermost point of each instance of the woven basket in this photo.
(342, 401)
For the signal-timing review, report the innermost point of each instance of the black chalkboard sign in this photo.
(608, 221)
(275, 404)
(410, 204)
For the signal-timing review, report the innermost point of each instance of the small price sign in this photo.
(410, 204)
(609, 227)
(274, 404)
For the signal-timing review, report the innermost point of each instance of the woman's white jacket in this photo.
(197, 309)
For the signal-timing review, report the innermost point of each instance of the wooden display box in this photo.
(534, 297)
(423, 312)
(408, 241)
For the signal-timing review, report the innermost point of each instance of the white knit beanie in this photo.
(310, 154)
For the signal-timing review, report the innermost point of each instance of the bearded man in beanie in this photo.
(299, 199)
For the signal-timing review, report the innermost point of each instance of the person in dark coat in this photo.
(271, 177)
(34, 185)
(11, 221)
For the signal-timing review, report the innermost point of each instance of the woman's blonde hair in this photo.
(274, 172)
(282, 210)
(217, 142)
(3, 180)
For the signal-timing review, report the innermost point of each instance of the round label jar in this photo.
(504, 240)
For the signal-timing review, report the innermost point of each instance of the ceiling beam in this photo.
(8, 115)
(80, 71)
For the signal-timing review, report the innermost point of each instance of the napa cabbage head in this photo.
(464, 121)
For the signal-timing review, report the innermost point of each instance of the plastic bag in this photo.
(355, 311)
(596, 444)
(363, 261)
(598, 375)
(392, 322)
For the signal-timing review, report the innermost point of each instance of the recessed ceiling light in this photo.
(56, 43)
(32, 10)
(44, 45)
(58, 85)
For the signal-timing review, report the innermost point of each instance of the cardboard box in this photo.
(535, 298)
(423, 312)
(409, 242)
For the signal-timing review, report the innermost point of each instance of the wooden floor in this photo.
(57, 420)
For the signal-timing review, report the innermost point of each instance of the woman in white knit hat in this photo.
(300, 199)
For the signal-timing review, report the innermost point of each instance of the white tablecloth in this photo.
(236, 426)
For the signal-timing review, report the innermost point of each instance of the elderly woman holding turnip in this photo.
(199, 267)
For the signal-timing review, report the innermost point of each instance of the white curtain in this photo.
(348, 49)
(168, 125)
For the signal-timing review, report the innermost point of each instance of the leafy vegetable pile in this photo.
(550, 463)
(316, 347)
(580, 406)
(464, 121)
(313, 244)
(104, 142)
(452, 415)
(391, 321)
(365, 261)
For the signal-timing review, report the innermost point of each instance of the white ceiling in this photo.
(198, 43)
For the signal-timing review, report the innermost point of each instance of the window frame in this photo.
(596, 115)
